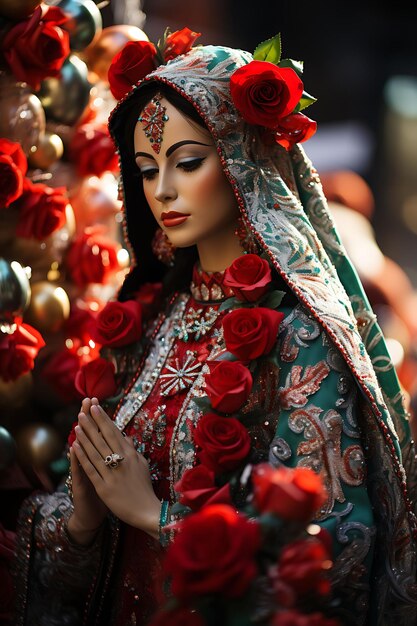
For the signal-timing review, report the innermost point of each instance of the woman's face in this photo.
(184, 183)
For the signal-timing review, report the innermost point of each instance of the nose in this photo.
(165, 190)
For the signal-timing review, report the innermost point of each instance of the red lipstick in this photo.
(173, 218)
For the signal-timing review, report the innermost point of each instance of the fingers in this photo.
(89, 428)
(89, 453)
(87, 466)
(110, 432)
(85, 406)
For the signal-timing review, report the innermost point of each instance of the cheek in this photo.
(216, 194)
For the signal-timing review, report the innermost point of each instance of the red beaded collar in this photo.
(208, 286)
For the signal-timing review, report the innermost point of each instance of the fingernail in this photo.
(95, 410)
(77, 429)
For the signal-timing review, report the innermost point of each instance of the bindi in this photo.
(153, 118)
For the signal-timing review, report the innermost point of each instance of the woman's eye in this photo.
(191, 165)
(148, 174)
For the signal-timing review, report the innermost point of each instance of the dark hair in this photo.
(179, 276)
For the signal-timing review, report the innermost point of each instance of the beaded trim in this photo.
(138, 393)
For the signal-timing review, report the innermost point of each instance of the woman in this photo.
(226, 195)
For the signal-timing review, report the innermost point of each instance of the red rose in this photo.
(60, 372)
(303, 565)
(37, 47)
(118, 324)
(18, 351)
(250, 333)
(93, 151)
(80, 323)
(72, 436)
(179, 42)
(96, 379)
(249, 277)
(264, 93)
(13, 167)
(41, 211)
(294, 618)
(214, 552)
(224, 442)
(92, 258)
(178, 617)
(131, 64)
(291, 494)
(294, 128)
(228, 385)
(197, 488)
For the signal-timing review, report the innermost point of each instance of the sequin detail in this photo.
(180, 375)
(153, 120)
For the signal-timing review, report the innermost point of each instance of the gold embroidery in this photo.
(322, 452)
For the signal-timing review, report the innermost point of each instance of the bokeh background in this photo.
(360, 62)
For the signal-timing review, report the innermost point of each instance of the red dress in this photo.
(156, 407)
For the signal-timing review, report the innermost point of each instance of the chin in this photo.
(181, 240)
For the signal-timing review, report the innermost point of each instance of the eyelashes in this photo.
(186, 166)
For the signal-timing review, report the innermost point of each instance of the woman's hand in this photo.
(89, 511)
(126, 489)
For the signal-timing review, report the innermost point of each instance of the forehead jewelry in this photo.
(153, 120)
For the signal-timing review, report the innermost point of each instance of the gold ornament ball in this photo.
(49, 307)
(111, 40)
(38, 445)
(49, 149)
(17, 9)
(15, 395)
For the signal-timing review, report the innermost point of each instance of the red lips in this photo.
(173, 218)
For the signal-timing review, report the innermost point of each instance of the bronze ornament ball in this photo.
(49, 307)
(49, 149)
(38, 445)
(22, 117)
(65, 98)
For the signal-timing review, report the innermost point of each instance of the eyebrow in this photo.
(172, 148)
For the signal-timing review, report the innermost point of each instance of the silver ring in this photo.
(113, 460)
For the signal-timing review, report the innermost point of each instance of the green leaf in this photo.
(269, 50)
(203, 403)
(273, 299)
(180, 509)
(230, 303)
(305, 101)
(297, 66)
